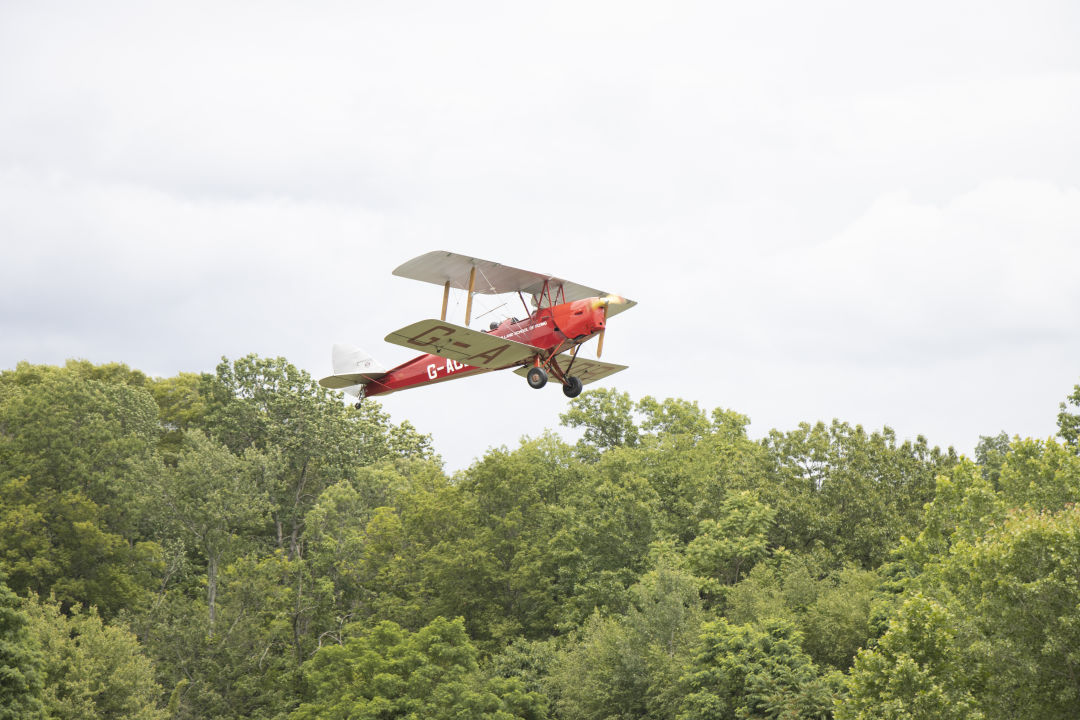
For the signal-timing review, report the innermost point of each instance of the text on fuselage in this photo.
(451, 366)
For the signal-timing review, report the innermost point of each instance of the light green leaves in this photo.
(387, 672)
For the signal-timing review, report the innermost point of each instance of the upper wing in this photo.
(493, 278)
(588, 371)
(462, 344)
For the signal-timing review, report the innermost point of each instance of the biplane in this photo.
(559, 317)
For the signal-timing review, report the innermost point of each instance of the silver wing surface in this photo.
(588, 371)
(492, 278)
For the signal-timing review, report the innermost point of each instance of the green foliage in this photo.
(607, 417)
(964, 506)
(836, 609)
(990, 454)
(673, 417)
(1068, 420)
(693, 474)
(604, 545)
(855, 493)
(916, 672)
(21, 682)
(66, 431)
(213, 497)
(76, 450)
(991, 628)
(728, 547)
(272, 406)
(249, 666)
(744, 671)
(92, 670)
(388, 672)
(181, 406)
(627, 666)
(278, 554)
(1040, 475)
(58, 542)
(1018, 593)
(533, 662)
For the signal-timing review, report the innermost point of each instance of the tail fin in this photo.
(347, 359)
(353, 368)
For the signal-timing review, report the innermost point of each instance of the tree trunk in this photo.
(211, 589)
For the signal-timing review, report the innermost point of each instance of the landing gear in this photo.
(360, 397)
(537, 378)
(572, 388)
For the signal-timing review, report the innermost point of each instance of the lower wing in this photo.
(462, 344)
(587, 371)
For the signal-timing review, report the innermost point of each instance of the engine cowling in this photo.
(580, 318)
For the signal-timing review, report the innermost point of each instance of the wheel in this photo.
(358, 405)
(537, 378)
(572, 388)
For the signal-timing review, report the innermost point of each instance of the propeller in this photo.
(603, 302)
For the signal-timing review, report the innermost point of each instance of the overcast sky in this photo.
(860, 210)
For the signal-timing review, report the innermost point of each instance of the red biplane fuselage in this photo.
(551, 330)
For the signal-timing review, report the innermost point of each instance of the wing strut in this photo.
(468, 304)
(445, 299)
(573, 357)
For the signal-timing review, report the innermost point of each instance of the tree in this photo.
(1040, 475)
(744, 671)
(607, 417)
(915, 672)
(91, 669)
(214, 496)
(249, 666)
(76, 455)
(673, 416)
(693, 467)
(964, 506)
(988, 628)
(20, 662)
(839, 487)
(271, 405)
(181, 407)
(990, 453)
(514, 504)
(628, 665)
(836, 609)
(1017, 592)
(387, 672)
(602, 546)
(1069, 422)
(728, 547)
(67, 431)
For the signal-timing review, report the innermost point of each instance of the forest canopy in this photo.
(243, 544)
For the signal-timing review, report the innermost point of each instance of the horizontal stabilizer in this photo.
(587, 371)
(455, 342)
(340, 382)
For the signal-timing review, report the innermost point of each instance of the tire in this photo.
(537, 378)
(573, 388)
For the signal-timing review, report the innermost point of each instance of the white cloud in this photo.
(993, 265)
(835, 208)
